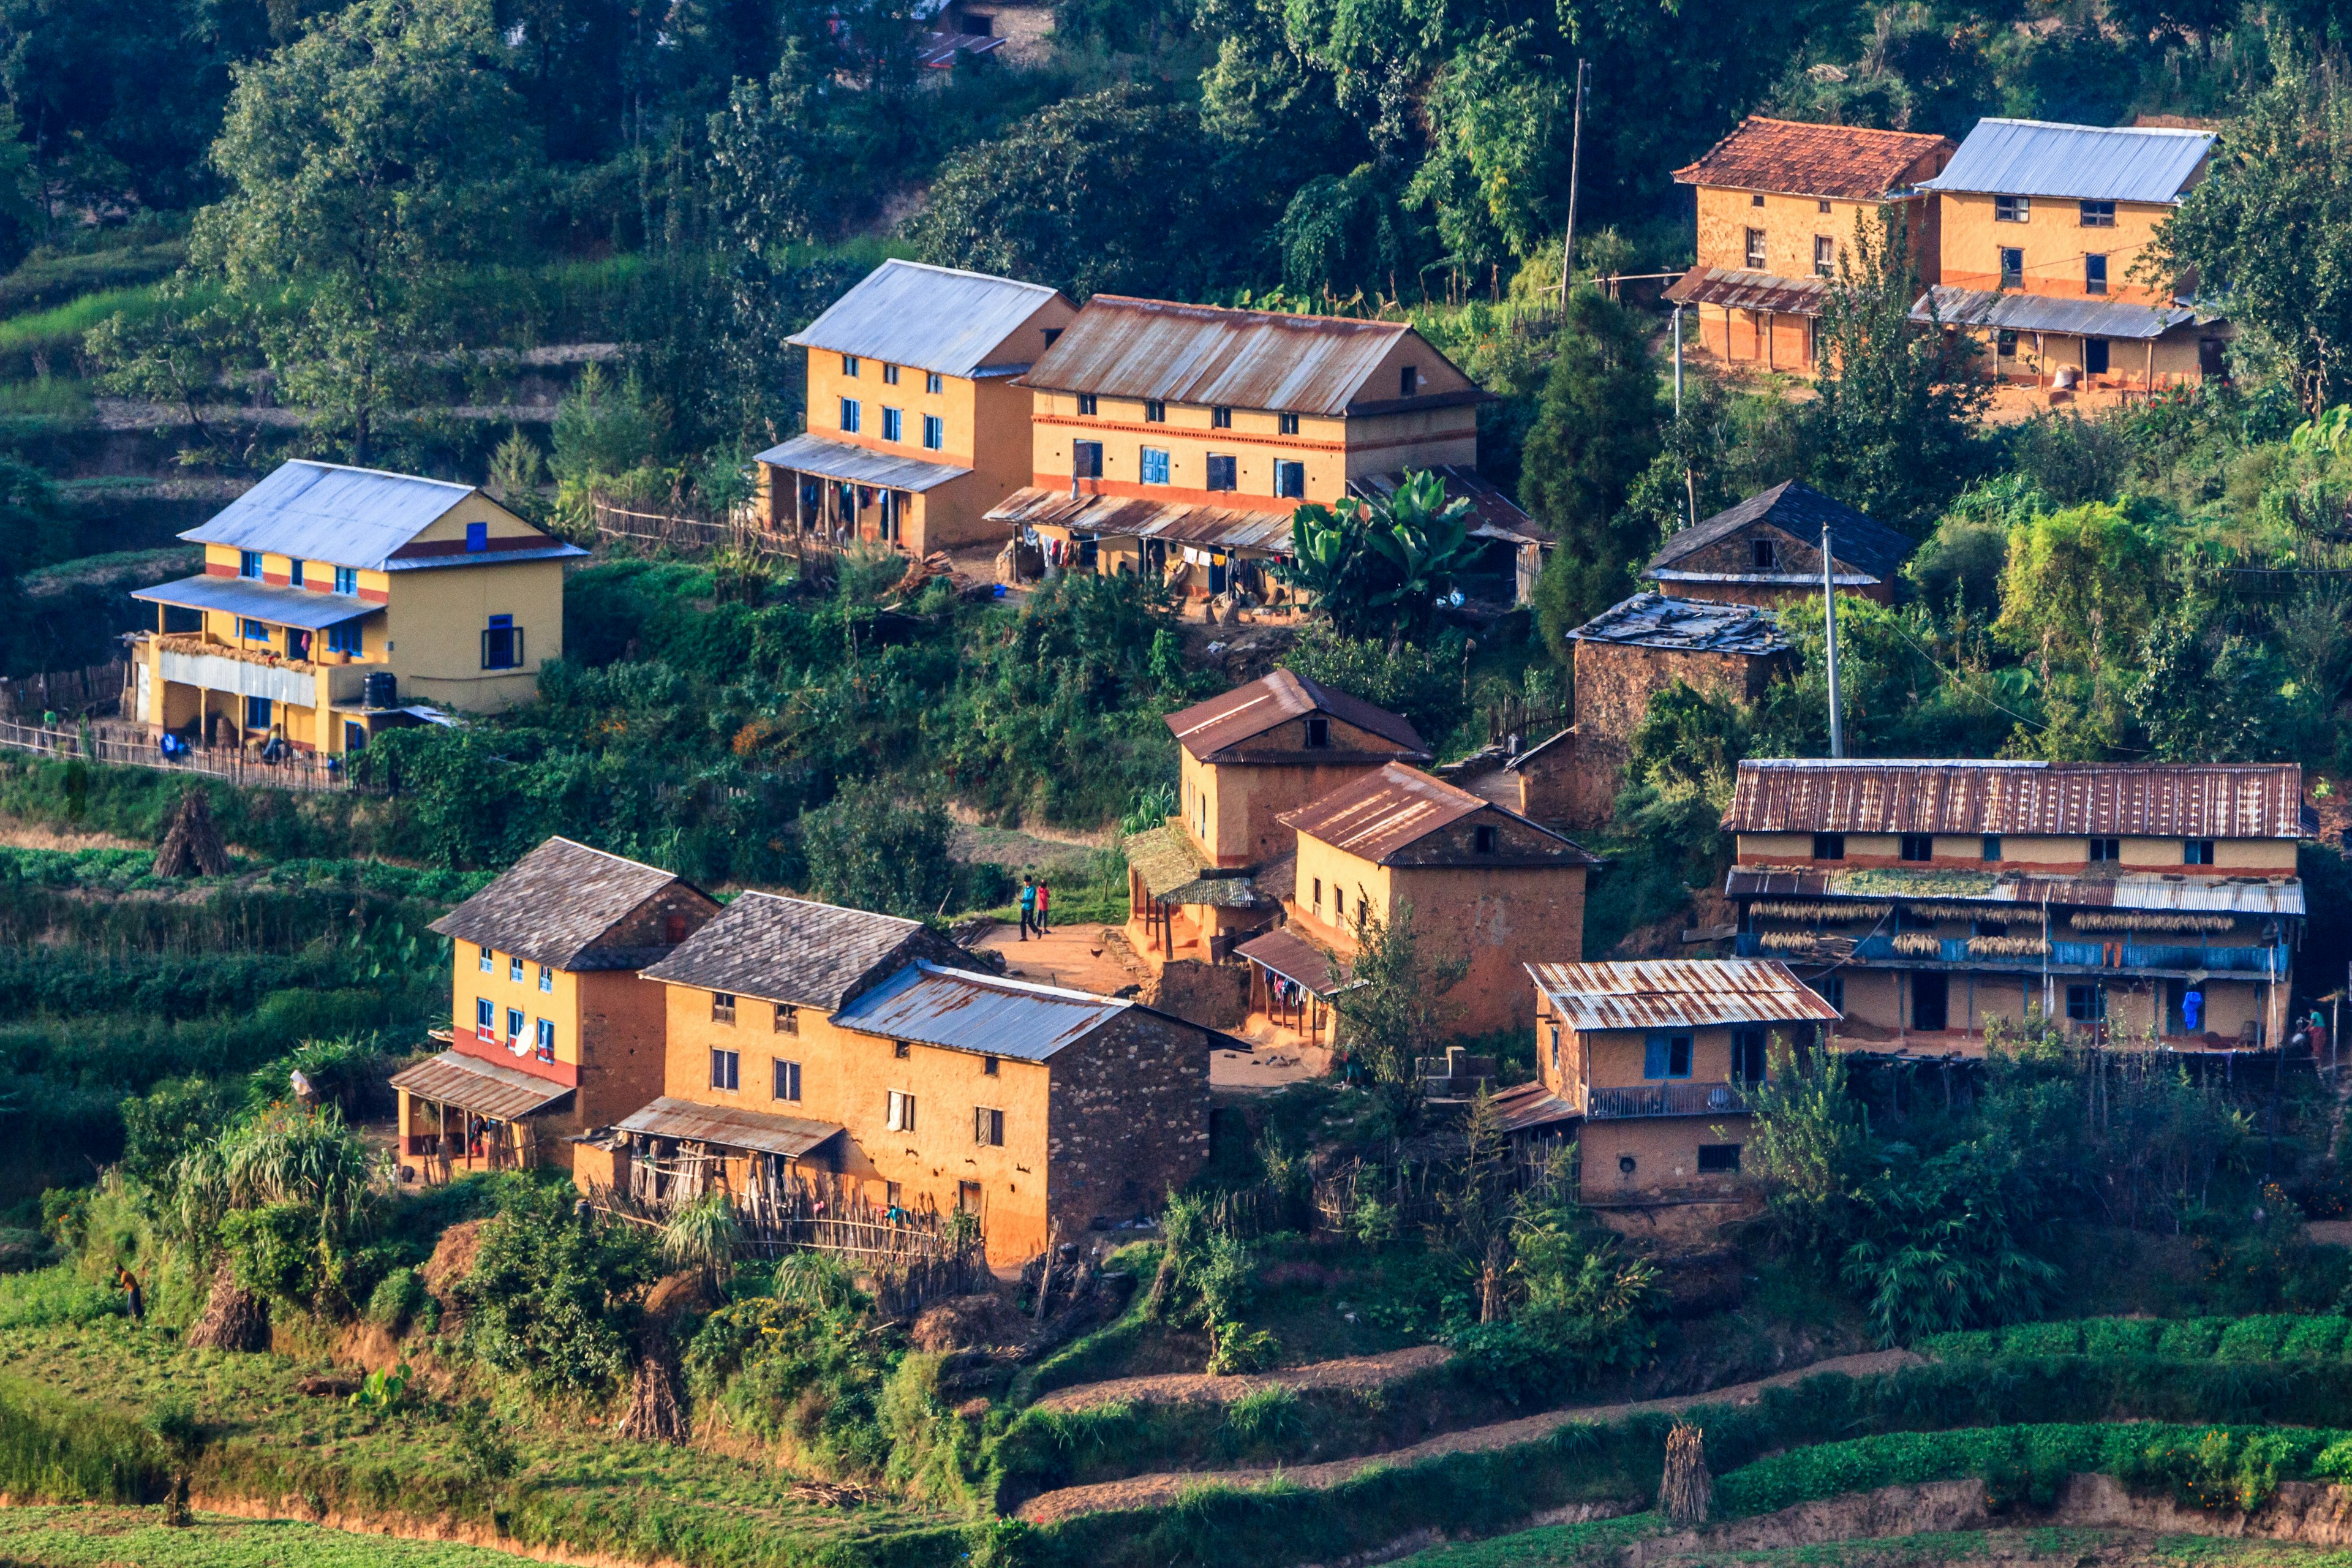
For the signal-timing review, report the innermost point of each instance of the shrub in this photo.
(2121, 1336)
(807, 1375)
(2253, 1339)
(1963, 1344)
(399, 1296)
(2220, 1469)
(47, 1297)
(553, 1296)
(2042, 1339)
(1262, 1418)
(2191, 1339)
(2314, 1339)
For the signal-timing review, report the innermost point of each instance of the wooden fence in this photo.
(691, 534)
(71, 693)
(300, 771)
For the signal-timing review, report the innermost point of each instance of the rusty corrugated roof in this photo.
(986, 1014)
(1527, 1106)
(1679, 992)
(1799, 158)
(2255, 895)
(1128, 517)
(1202, 354)
(1207, 729)
(2158, 800)
(485, 1089)
(1293, 957)
(727, 1126)
(1744, 291)
(1391, 806)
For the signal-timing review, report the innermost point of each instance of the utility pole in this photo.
(1690, 485)
(1575, 161)
(1829, 628)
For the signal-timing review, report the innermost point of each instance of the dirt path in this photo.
(1162, 1489)
(1199, 1388)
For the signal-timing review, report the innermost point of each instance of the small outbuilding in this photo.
(1767, 551)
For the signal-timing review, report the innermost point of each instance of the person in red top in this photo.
(1045, 897)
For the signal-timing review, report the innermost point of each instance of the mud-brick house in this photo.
(916, 425)
(334, 599)
(1767, 551)
(2121, 902)
(1648, 1065)
(825, 1050)
(1484, 883)
(553, 1031)
(1778, 201)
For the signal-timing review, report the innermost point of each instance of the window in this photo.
(673, 929)
(1747, 1052)
(2098, 215)
(902, 1111)
(1086, 405)
(2197, 852)
(1221, 419)
(1051, 333)
(849, 365)
(1718, 1159)
(1153, 468)
(988, 1067)
(1286, 424)
(502, 644)
(1318, 905)
(1155, 412)
(514, 1028)
(1988, 928)
(490, 962)
(1407, 381)
(901, 1049)
(1666, 1056)
(547, 1039)
(346, 638)
(787, 1085)
(849, 415)
(722, 1007)
(294, 573)
(987, 1126)
(935, 432)
(2087, 1004)
(2013, 267)
(546, 978)
(1085, 459)
(1824, 256)
(2005, 343)
(1762, 555)
(1991, 849)
(1828, 845)
(477, 538)
(725, 1069)
(248, 564)
(2106, 850)
(788, 1019)
(1319, 733)
(2094, 356)
(893, 425)
(1754, 198)
(933, 384)
(2012, 209)
(347, 580)
(486, 1019)
(1755, 250)
(889, 375)
(1830, 988)
(1290, 479)
(252, 630)
(1918, 846)
(1222, 472)
(257, 711)
(2094, 274)
(514, 969)
(1482, 839)
(891, 1195)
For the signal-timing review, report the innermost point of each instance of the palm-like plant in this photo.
(1381, 569)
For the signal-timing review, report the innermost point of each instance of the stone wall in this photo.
(1128, 1120)
(1215, 995)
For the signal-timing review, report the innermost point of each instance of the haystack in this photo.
(234, 1319)
(1687, 1492)
(191, 844)
(656, 1415)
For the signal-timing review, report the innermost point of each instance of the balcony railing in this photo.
(1680, 1097)
(2268, 960)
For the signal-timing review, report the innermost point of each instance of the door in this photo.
(1747, 1055)
(2094, 356)
(968, 1198)
(1930, 999)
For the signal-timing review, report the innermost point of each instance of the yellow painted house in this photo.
(334, 599)
(916, 425)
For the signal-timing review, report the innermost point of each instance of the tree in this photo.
(1395, 1012)
(1891, 431)
(364, 160)
(2078, 587)
(867, 852)
(1382, 568)
(1597, 429)
(2265, 228)
(1497, 148)
(174, 358)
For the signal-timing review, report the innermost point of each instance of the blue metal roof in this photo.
(303, 607)
(2086, 162)
(931, 317)
(980, 1013)
(325, 511)
(859, 465)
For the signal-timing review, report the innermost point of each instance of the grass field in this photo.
(106, 1537)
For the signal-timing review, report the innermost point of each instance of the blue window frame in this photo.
(486, 1019)
(248, 564)
(514, 969)
(893, 425)
(514, 1024)
(253, 630)
(477, 538)
(502, 644)
(346, 638)
(933, 382)
(294, 573)
(546, 978)
(849, 414)
(1155, 466)
(257, 713)
(935, 432)
(347, 580)
(490, 962)
(547, 1039)
(1290, 480)
(1666, 1056)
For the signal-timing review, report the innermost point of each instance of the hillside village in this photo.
(753, 813)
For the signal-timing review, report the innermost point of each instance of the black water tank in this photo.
(383, 688)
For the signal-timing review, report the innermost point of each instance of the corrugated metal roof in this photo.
(1293, 957)
(485, 1089)
(1527, 1106)
(931, 317)
(1210, 728)
(1122, 347)
(1856, 538)
(326, 512)
(2161, 800)
(1744, 291)
(1493, 514)
(1391, 806)
(1679, 992)
(2086, 162)
(1686, 626)
(556, 905)
(1796, 157)
(2280, 897)
(799, 952)
(1119, 517)
(302, 607)
(985, 1014)
(859, 464)
(728, 1127)
(2010, 312)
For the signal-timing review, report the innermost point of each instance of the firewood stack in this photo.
(1687, 1492)
(655, 1414)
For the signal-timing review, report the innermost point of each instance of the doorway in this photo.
(2094, 356)
(1930, 1000)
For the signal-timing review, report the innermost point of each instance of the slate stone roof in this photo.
(799, 952)
(1799, 510)
(1688, 625)
(1792, 157)
(556, 905)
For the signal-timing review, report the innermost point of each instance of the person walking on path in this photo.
(1045, 897)
(1028, 908)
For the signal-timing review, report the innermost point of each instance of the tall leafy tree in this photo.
(364, 160)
